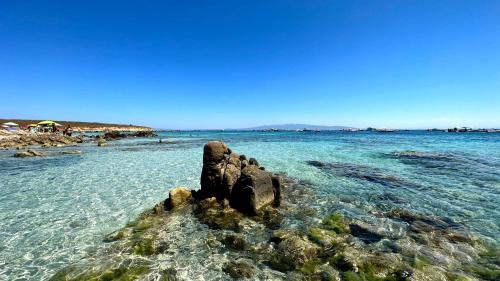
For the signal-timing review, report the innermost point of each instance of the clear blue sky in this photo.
(225, 64)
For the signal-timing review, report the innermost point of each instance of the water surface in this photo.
(56, 210)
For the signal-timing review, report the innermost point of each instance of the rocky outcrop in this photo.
(227, 175)
(116, 135)
(143, 134)
(21, 140)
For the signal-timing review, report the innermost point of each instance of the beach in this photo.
(58, 212)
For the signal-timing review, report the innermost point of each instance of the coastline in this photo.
(23, 138)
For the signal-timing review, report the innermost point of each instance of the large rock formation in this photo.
(227, 175)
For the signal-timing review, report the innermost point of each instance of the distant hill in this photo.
(298, 126)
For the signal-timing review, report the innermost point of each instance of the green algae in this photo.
(341, 263)
(367, 272)
(350, 276)
(275, 262)
(336, 223)
(115, 236)
(309, 267)
(316, 235)
(144, 247)
(456, 277)
(488, 266)
(419, 262)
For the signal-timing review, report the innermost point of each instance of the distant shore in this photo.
(85, 126)
(21, 138)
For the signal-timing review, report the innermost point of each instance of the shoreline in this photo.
(24, 139)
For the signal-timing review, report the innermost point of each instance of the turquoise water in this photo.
(56, 210)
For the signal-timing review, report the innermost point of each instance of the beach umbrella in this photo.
(57, 124)
(46, 122)
(10, 124)
(32, 125)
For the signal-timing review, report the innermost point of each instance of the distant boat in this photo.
(351, 130)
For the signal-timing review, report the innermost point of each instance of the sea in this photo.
(56, 210)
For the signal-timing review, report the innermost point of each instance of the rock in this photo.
(143, 134)
(177, 197)
(28, 153)
(114, 135)
(214, 214)
(277, 183)
(71, 152)
(215, 160)
(252, 191)
(240, 268)
(231, 174)
(101, 142)
(253, 161)
(292, 252)
(159, 208)
(235, 242)
(364, 234)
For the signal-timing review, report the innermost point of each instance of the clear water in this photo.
(56, 210)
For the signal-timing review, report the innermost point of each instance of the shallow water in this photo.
(56, 210)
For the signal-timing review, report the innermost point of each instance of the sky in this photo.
(237, 64)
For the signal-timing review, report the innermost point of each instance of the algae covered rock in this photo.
(240, 268)
(235, 242)
(293, 252)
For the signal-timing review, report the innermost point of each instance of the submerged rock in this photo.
(235, 242)
(72, 152)
(364, 234)
(29, 153)
(240, 268)
(364, 172)
(101, 142)
(292, 252)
